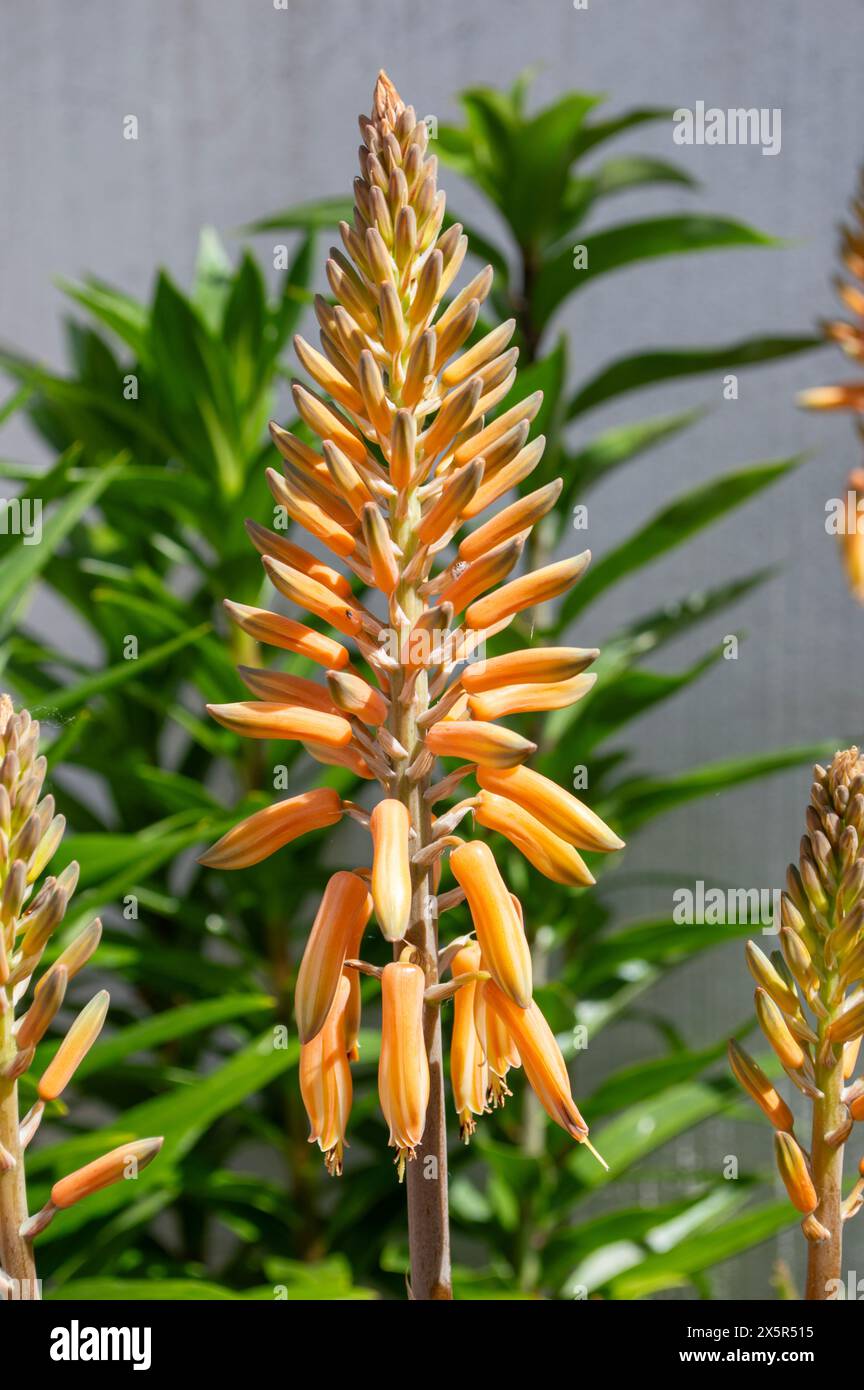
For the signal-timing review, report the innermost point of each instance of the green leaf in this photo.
(614, 247)
(667, 364)
(619, 445)
(167, 1027)
(72, 696)
(674, 1268)
(24, 563)
(119, 312)
(671, 527)
(645, 1127)
(619, 701)
(643, 798)
(321, 212)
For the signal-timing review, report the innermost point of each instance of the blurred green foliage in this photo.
(157, 429)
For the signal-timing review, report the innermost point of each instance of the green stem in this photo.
(16, 1254)
(824, 1257)
(428, 1206)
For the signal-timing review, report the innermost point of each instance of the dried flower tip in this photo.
(390, 825)
(125, 1162)
(506, 954)
(336, 933)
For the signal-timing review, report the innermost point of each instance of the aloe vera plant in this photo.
(145, 503)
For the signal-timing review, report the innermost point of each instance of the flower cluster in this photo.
(30, 833)
(410, 444)
(810, 1007)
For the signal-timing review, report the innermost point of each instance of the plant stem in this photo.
(16, 1254)
(428, 1208)
(824, 1258)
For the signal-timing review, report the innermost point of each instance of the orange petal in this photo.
(521, 699)
(389, 825)
(506, 954)
(125, 1162)
(403, 1068)
(551, 855)
(519, 516)
(477, 742)
(308, 593)
(527, 591)
(265, 719)
(566, 816)
(291, 636)
(469, 1073)
(541, 1057)
(261, 834)
(540, 664)
(336, 933)
(325, 1083)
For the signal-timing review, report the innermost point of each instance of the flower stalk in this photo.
(408, 448)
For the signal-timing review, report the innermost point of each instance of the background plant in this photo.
(135, 482)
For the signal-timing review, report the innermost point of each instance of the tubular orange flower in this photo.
(336, 933)
(541, 665)
(519, 516)
(549, 854)
(265, 719)
(479, 742)
(564, 815)
(121, 1164)
(288, 690)
(750, 1075)
(277, 631)
(390, 824)
(541, 1057)
(325, 1082)
(527, 591)
(469, 1073)
(278, 548)
(521, 699)
(403, 1069)
(793, 1169)
(307, 592)
(74, 1047)
(499, 929)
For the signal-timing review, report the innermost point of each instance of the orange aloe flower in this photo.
(407, 481)
(403, 1068)
(469, 1071)
(325, 1082)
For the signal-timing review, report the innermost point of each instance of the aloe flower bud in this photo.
(390, 825)
(792, 1166)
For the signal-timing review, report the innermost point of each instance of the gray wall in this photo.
(243, 108)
